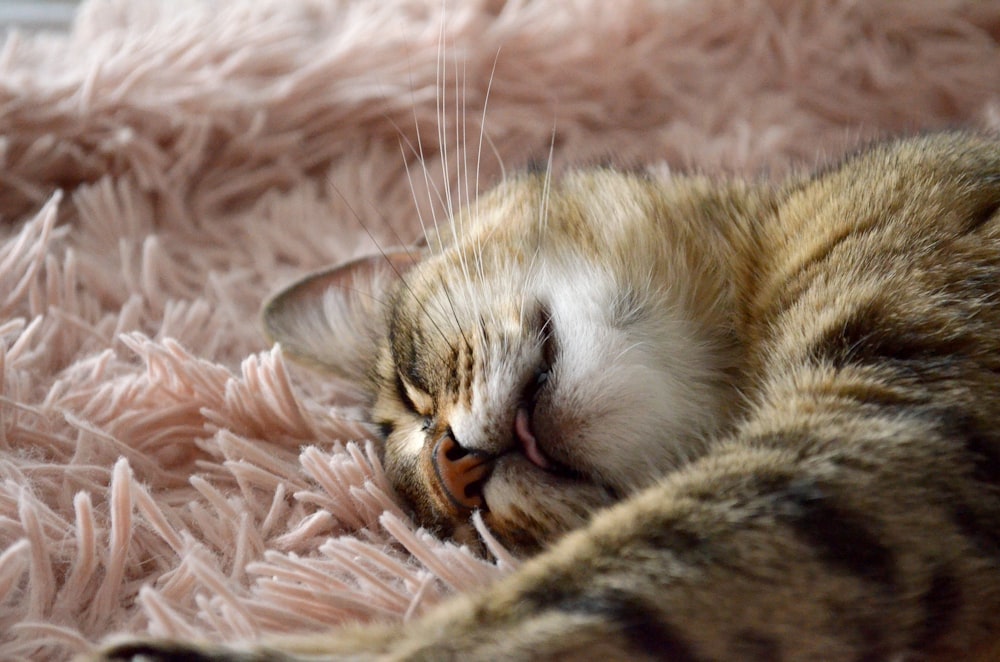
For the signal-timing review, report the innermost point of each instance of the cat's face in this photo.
(535, 363)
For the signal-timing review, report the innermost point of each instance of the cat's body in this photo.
(792, 392)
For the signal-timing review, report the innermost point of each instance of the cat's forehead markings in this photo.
(406, 339)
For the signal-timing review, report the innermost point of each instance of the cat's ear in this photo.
(334, 319)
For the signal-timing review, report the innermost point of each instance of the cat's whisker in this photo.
(499, 157)
(454, 313)
(429, 185)
(529, 274)
(479, 161)
(441, 104)
(461, 145)
(462, 177)
(418, 152)
(479, 155)
(547, 185)
(482, 127)
(398, 239)
(413, 193)
(415, 150)
(440, 101)
(378, 245)
(434, 194)
(543, 213)
(625, 351)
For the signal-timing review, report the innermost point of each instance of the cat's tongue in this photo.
(529, 445)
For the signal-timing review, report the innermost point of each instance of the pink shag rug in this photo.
(166, 165)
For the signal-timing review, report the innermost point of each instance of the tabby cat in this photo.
(743, 421)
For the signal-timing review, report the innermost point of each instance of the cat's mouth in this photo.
(462, 474)
(525, 435)
(524, 429)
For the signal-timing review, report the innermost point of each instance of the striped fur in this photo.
(786, 424)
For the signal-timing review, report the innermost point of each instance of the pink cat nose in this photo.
(460, 473)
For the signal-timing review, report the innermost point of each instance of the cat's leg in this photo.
(779, 547)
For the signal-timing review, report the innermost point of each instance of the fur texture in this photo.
(153, 475)
(850, 513)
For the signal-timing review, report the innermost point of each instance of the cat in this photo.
(736, 420)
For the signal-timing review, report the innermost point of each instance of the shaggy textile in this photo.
(164, 166)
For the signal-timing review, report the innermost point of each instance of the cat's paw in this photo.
(345, 645)
(153, 650)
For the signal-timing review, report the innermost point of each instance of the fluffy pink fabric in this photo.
(166, 165)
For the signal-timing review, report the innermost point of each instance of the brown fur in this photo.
(844, 507)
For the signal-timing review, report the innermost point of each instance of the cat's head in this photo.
(543, 356)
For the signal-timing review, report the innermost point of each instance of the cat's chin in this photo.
(529, 506)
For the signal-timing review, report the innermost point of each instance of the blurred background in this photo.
(35, 15)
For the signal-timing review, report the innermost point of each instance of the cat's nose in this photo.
(460, 473)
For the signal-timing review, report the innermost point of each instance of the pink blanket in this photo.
(166, 165)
